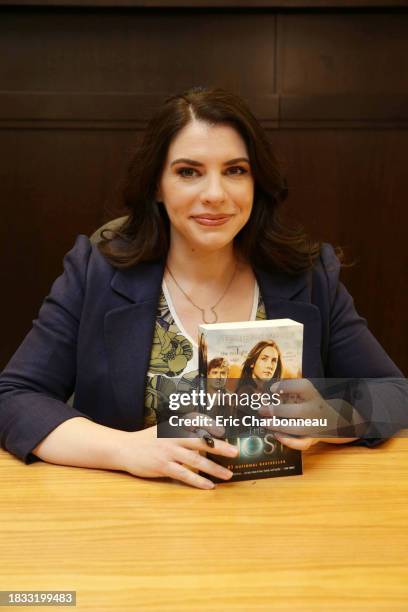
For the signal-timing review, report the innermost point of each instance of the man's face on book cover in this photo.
(217, 378)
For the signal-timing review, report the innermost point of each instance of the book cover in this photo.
(239, 365)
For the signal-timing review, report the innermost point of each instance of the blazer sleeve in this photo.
(40, 377)
(375, 386)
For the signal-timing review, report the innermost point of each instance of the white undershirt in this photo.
(180, 325)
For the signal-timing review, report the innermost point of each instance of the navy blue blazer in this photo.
(94, 332)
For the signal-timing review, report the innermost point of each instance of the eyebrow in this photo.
(192, 162)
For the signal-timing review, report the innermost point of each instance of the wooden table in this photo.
(333, 539)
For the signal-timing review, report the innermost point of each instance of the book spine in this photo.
(202, 368)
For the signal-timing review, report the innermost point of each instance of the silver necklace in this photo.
(211, 308)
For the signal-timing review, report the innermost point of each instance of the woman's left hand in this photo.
(300, 399)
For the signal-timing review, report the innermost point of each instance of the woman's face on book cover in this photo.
(266, 364)
(207, 187)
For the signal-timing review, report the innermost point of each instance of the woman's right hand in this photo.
(143, 454)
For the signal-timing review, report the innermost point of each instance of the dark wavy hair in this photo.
(265, 241)
(217, 362)
(246, 377)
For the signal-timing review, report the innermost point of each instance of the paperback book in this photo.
(240, 366)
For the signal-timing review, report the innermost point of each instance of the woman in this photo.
(203, 242)
(263, 363)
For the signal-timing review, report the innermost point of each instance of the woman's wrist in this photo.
(116, 450)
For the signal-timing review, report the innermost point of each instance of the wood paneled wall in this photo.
(330, 86)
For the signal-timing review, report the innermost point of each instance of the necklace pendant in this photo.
(213, 315)
(213, 319)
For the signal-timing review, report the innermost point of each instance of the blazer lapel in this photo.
(128, 337)
(287, 297)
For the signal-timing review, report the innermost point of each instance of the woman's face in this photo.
(206, 186)
(266, 364)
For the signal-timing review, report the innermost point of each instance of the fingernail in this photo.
(209, 485)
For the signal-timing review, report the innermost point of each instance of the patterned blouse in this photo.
(174, 357)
